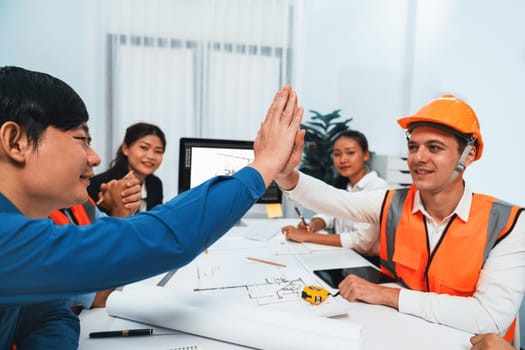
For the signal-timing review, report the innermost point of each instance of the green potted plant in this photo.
(321, 131)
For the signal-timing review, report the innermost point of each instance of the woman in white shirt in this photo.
(350, 154)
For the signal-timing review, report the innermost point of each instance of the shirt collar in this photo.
(144, 191)
(6, 206)
(462, 210)
(363, 183)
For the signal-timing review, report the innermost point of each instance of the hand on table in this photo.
(295, 234)
(354, 288)
(489, 341)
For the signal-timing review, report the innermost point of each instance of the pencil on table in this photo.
(266, 261)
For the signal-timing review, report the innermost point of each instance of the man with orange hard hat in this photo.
(459, 256)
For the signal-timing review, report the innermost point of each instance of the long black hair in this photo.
(360, 138)
(134, 132)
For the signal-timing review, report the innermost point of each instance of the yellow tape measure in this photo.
(315, 294)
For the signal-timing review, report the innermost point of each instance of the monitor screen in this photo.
(200, 159)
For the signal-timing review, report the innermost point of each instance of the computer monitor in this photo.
(201, 158)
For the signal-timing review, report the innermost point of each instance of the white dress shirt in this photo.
(355, 235)
(143, 197)
(501, 283)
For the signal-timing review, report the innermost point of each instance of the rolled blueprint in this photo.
(243, 324)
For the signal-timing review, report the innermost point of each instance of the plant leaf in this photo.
(321, 132)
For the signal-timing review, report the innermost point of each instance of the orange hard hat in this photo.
(450, 112)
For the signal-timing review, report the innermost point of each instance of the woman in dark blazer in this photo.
(141, 151)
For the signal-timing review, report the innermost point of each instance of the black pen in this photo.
(300, 213)
(122, 333)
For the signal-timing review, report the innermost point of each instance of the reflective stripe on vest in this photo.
(453, 267)
(393, 204)
(489, 216)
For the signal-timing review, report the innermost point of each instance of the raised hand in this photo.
(279, 135)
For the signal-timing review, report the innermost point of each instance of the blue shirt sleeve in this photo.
(84, 300)
(47, 325)
(43, 261)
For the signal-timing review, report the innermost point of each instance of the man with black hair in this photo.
(46, 161)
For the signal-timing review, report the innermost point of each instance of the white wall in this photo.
(380, 60)
(477, 51)
(354, 62)
(375, 60)
(58, 37)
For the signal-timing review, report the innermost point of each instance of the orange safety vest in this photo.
(83, 214)
(454, 266)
